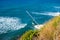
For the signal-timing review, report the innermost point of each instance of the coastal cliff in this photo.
(50, 31)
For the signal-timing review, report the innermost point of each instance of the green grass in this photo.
(28, 35)
(47, 32)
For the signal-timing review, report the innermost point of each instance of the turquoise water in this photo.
(13, 15)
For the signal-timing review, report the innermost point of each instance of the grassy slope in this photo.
(28, 35)
(50, 31)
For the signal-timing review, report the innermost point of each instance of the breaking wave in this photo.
(47, 13)
(10, 24)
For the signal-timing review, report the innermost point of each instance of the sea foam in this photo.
(10, 24)
(47, 13)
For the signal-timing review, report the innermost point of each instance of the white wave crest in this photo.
(39, 26)
(10, 23)
(57, 7)
(47, 13)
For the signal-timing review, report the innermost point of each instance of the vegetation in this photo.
(28, 35)
(50, 31)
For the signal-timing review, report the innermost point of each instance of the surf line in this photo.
(32, 18)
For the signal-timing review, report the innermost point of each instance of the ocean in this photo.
(14, 20)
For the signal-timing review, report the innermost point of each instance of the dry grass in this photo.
(50, 31)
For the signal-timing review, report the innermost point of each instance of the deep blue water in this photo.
(18, 8)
